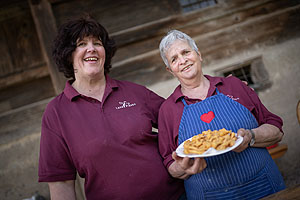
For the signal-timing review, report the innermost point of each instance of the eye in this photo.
(79, 44)
(173, 60)
(99, 43)
(186, 52)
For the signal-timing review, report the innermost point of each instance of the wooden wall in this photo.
(228, 28)
(19, 45)
(25, 38)
(116, 15)
(222, 30)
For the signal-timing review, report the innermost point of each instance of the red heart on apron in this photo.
(207, 117)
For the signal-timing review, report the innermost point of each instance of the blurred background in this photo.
(255, 40)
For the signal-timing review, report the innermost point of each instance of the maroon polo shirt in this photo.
(171, 111)
(109, 143)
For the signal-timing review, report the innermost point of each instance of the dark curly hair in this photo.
(68, 34)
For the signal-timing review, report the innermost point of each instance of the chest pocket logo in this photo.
(208, 117)
(125, 104)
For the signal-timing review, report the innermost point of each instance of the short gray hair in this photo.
(170, 38)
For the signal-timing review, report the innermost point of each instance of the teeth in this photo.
(91, 59)
(186, 68)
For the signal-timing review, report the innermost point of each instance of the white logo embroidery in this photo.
(230, 96)
(125, 104)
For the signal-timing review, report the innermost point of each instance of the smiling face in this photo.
(184, 62)
(88, 58)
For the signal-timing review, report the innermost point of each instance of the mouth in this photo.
(186, 67)
(90, 59)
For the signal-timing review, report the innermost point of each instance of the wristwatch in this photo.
(252, 141)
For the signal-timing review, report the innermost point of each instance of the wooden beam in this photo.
(146, 37)
(278, 151)
(24, 76)
(143, 65)
(46, 28)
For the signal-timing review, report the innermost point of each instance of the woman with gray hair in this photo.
(202, 103)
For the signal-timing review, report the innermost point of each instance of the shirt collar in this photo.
(71, 93)
(214, 81)
(111, 83)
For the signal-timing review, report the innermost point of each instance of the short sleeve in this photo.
(154, 102)
(261, 113)
(55, 163)
(168, 125)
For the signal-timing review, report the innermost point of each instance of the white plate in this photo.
(210, 152)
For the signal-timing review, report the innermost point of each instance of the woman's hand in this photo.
(265, 135)
(183, 168)
(246, 140)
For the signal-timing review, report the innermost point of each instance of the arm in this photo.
(183, 168)
(169, 119)
(265, 135)
(62, 190)
(56, 166)
(269, 131)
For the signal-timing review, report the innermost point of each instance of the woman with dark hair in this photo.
(100, 127)
(66, 42)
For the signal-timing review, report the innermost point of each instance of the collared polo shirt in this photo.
(172, 109)
(109, 143)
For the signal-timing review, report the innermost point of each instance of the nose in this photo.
(182, 59)
(91, 48)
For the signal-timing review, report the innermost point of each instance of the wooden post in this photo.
(45, 24)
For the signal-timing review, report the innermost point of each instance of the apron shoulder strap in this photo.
(184, 102)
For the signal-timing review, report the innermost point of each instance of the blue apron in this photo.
(251, 174)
